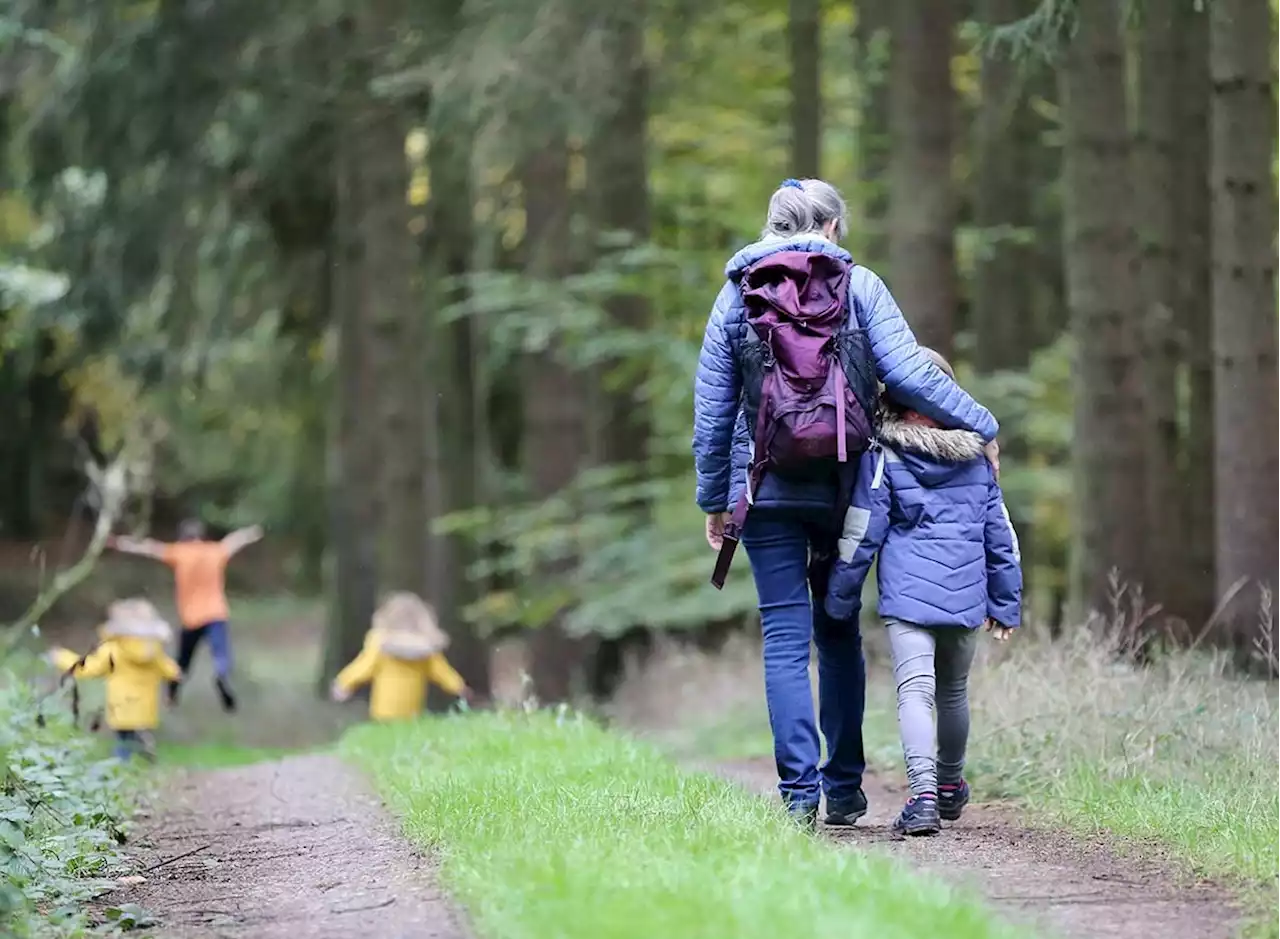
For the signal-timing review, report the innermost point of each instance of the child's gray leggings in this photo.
(932, 663)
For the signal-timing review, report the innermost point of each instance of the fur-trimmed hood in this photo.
(935, 456)
(938, 443)
(404, 627)
(135, 619)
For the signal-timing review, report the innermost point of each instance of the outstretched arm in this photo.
(241, 538)
(142, 547)
(909, 375)
(866, 524)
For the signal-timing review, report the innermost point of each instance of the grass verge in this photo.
(613, 840)
(1177, 759)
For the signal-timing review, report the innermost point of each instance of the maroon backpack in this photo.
(806, 411)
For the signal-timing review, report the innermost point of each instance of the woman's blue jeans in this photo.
(790, 555)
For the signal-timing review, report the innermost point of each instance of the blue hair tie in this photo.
(791, 184)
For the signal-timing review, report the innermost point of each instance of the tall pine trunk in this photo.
(555, 436)
(454, 361)
(922, 211)
(1155, 200)
(1003, 303)
(1102, 292)
(871, 35)
(353, 507)
(1244, 305)
(618, 189)
(1195, 303)
(804, 41)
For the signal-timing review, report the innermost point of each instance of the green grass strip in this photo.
(551, 826)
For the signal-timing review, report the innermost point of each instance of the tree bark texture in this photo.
(1003, 303)
(1243, 113)
(353, 506)
(871, 60)
(1156, 196)
(555, 415)
(922, 210)
(804, 42)
(1102, 291)
(1194, 248)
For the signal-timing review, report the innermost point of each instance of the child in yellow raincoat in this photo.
(402, 652)
(131, 656)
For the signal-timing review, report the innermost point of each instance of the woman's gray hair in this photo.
(806, 205)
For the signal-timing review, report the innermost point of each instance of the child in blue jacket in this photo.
(928, 503)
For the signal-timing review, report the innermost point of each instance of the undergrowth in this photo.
(64, 811)
(549, 826)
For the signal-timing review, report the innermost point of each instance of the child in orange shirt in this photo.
(199, 574)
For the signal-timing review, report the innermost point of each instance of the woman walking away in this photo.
(785, 390)
(403, 651)
(130, 656)
(927, 501)
(199, 575)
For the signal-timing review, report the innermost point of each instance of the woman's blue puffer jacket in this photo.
(721, 438)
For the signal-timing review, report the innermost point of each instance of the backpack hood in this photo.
(813, 242)
(932, 454)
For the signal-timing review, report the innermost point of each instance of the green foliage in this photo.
(614, 840)
(63, 817)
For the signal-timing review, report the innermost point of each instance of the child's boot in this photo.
(952, 798)
(224, 694)
(919, 816)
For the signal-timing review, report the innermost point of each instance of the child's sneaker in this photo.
(952, 798)
(224, 693)
(842, 813)
(919, 816)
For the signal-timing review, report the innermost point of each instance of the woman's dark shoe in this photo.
(952, 798)
(842, 813)
(804, 814)
(919, 816)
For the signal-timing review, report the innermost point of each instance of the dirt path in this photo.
(1063, 887)
(297, 848)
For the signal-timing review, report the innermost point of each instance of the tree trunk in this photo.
(804, 41)
(555, 417)
(404, 406)
(456, 456)
(871, 50)
(1244, 306)
(1195, 298)
(922, 214)
(1102, 292)
(353, 507)
(618, 184)
(1003, 303)
(1156, 196)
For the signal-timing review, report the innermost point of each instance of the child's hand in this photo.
(998, 632)
(338, 693)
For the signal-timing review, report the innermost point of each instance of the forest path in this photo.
(1060, 885)
(297, 848)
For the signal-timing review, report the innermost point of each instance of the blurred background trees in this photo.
(421, 286)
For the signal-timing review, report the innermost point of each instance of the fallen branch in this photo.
(108, 488)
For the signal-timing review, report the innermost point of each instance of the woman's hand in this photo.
(338, 693)
(716, 522)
